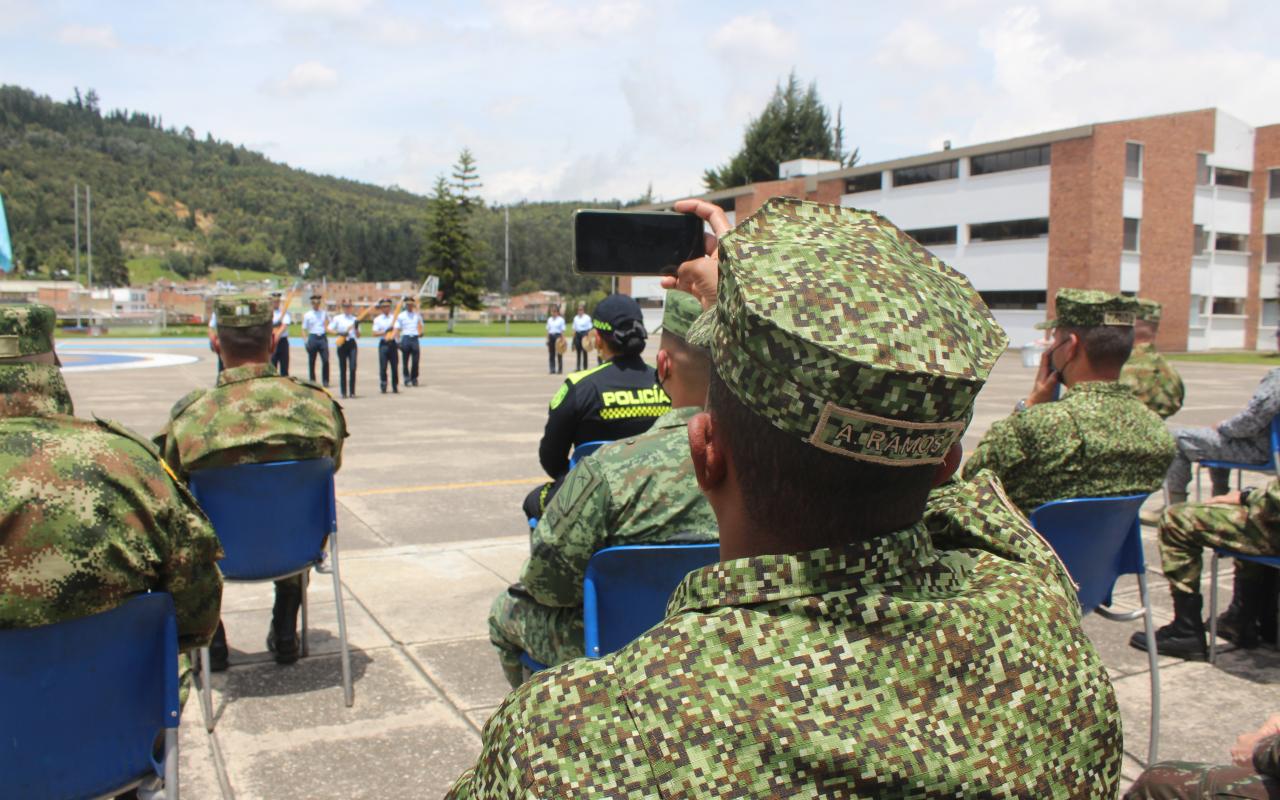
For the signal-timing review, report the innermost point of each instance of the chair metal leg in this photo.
(348, 691)
(171, 764)
(206, 689)
(1153, 743)
(306, 584)
(1213, 607)
(1198, 468)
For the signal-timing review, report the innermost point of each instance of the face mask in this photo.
(1054, 372)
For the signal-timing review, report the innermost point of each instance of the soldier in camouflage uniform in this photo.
(1150, 375)
(1254, 776)
(849, 644)
(1098, 440)
(89, 514)
(640, 490)
(254, 416)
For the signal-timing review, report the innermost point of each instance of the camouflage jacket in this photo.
(1097, 441)
(89, 515)
(1153, 380)
(253, 416)
(943, 660)
(638, 490)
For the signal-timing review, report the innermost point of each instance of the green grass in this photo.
(1265, 359)
(486, 329)
(144, 270)
(237, 275)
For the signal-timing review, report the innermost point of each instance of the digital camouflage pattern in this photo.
(253, 416)
(1182, 780)
(1149, 310)
(679, 311)
(242, 312)
(838, 328)
(26, 330)
(1186, 529)
(640, 490)
(1089, 308)
(1097, 441)
(1153, 380)
(943, 660)
(89, 516)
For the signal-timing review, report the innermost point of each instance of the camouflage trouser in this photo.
(1188, 528)
(1198, 444)
(1179, 780)
(549, 635)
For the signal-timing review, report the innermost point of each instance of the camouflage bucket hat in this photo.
(1089, 308)
(242, 312)
(839, 328)
(1149, 310)
(679, 311)
(25, 330)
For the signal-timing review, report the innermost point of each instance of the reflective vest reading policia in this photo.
(615, 400)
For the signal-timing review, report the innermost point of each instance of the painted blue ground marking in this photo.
(367, 343)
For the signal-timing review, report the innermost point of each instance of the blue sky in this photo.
(567, 100)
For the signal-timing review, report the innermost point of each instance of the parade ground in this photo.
(431, 530)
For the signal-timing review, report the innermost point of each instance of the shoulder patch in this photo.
(120, 430)
(310, 385)
(186, 402)
(560, 395)
(574, 377)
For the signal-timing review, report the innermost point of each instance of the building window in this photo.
(934, 236)
(727, 204)
(1015, 301)
(1202, 240)
(1273, 248)
(1010, 159)
(1270, 312)
(1132, 227)
(863, 183)
(1231, 242)
(1231, 177)
(1132, 160)
(1273, 183)
(1228, 306)
(1011, 229)
(1202, 169)
(926, 173)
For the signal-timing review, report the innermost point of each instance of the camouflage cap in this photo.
(837, 327)
(1149, 310)
(1089, 308)
(242, 312)
(679, 311)
(25, 330)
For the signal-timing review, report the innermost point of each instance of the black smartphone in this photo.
(634, 242)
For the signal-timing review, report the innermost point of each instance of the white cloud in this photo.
(307, 77)
(754, 37)
(554, 19)
(915, 45)
(327, 8)
(89, 36)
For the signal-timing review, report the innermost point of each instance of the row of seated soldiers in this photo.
(876, 626)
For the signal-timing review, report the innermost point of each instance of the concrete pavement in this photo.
(430, 530)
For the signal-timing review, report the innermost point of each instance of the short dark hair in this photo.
(697, 357)
(791, 486)
(1107, 346)
(246, 343)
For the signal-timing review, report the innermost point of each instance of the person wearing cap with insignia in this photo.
(346, 326)
(1099, 440)
(89, 514)
(281, 319)
(383, 324)
(619, 398)
(1148, 373)
(640, 490)
(410, 322)
(858, 638)
(315, 323)
(253, 416)
(581, 329)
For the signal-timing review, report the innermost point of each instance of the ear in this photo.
(1071, 347)
(664, 363)
(708, 457)
(950, 463)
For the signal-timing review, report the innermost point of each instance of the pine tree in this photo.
(466, 180)
(450, 251)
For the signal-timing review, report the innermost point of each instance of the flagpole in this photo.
(77, 206)
(506, 268)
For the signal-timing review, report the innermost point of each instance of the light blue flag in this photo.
(6, 248)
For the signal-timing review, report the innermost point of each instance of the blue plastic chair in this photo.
(1272, 466)
(585, 449)
(1099, 539)
(626, 589)
(83, 702)
(272, 520)
(1266, 561)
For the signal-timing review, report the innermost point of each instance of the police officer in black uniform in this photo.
(617, 399)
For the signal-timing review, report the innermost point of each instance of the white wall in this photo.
(1232, 143)
(1132, 203)
(1226, 332)
(1230, 273)
(1014, 265)
(1020, 325)
(647, 287)
(1016, 194)
(1130, 271)
(1271, 216)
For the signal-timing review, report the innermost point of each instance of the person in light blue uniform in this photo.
(410, 322)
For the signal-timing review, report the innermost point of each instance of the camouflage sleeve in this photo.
(190, 571)
(572, 529)
(1263, 506)
(999, 451)
(1266, 757)
(497, 774)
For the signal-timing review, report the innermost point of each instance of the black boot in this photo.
(1265, 604)
(283, 637)
(1237, 624)
(219, 657)
(1182, 638)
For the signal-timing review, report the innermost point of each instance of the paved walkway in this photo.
(429, 520)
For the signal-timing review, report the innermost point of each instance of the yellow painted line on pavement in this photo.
(442, 487)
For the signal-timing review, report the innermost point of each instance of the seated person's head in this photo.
(26, 335)
(244, 330)
(1093, 334)
(683, 369)
(1147, 324)
(619, 325)
(846, 359)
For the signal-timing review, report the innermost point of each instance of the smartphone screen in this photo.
(634, 242)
